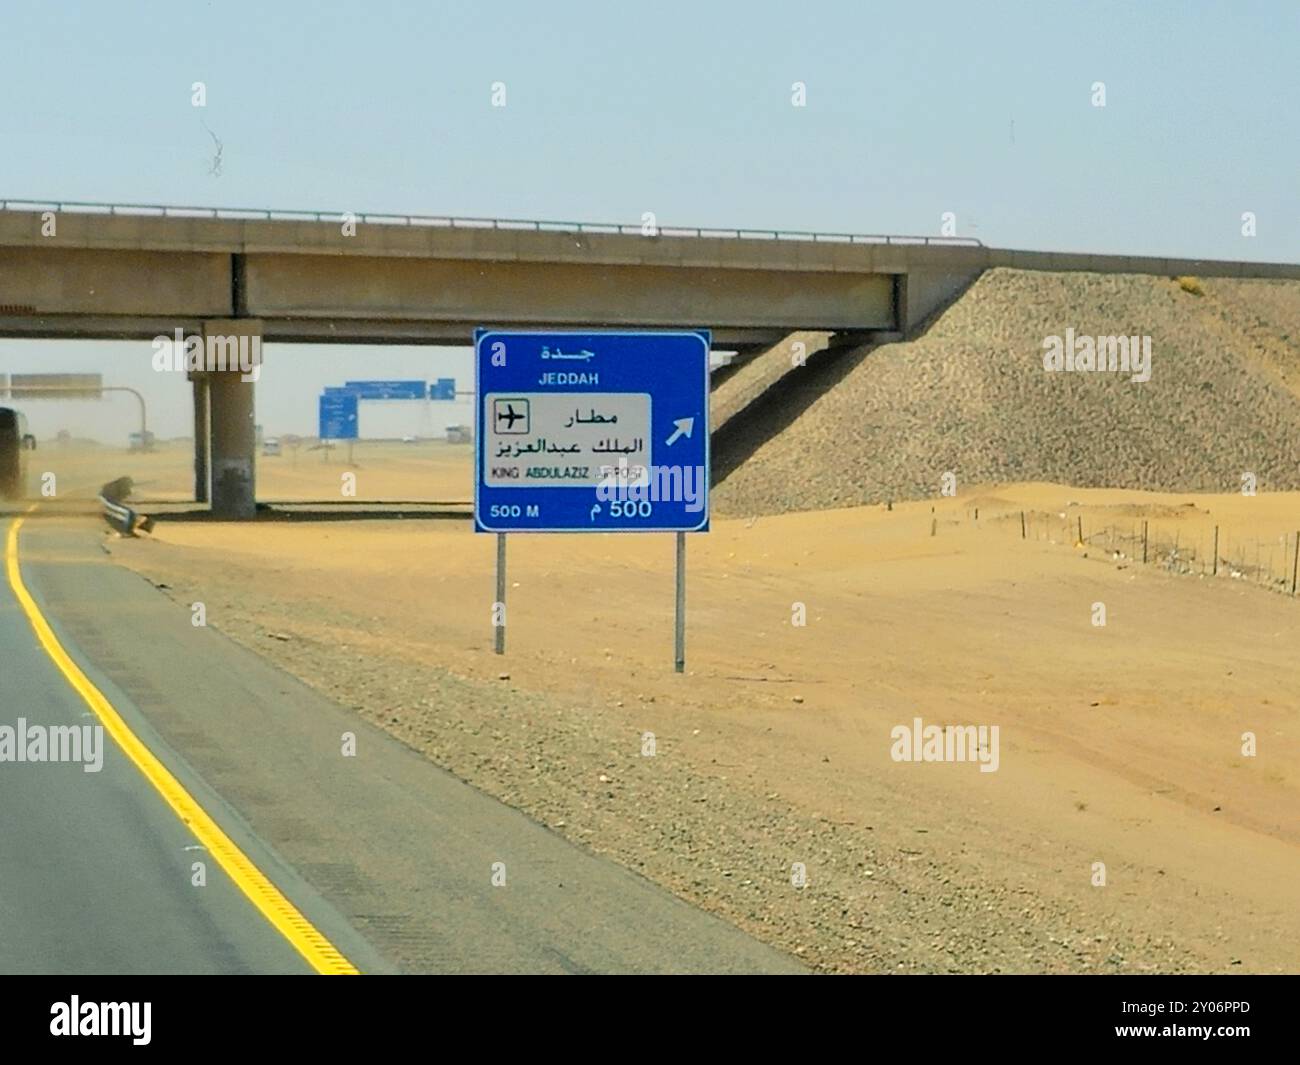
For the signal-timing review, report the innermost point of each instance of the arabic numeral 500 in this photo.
(630, 508)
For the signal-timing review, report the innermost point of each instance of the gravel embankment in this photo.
(971, 396)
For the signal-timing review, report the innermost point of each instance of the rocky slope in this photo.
(971, 397)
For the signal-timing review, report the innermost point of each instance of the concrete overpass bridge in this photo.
(100, 271)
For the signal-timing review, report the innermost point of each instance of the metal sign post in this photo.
(593, 432)
(499, 608)
(680, 629)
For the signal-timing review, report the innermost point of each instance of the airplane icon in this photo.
(504, 410)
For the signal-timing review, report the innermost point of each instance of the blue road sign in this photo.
(591, 432)
(388, 389)
(443, 388)
(338, 416)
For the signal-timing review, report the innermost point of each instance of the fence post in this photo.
(1022, 525)
(1144, 542)
(1296, 562)
(1215, 571)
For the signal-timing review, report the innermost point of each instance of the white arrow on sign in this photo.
(684, 427)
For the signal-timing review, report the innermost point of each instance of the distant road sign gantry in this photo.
(387, 389)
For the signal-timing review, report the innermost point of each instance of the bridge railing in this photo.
(453, 222)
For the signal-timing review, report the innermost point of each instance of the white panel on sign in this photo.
(570, 439)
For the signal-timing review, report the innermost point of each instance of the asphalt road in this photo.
(96, 871)
(388, 858)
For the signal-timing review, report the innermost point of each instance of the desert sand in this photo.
(430, 471)
(1120, 744)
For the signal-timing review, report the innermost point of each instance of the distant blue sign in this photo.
(338, 415)
(443, 388)
(591, 432)
(388, 389)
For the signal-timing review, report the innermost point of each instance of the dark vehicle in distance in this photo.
(15, 442)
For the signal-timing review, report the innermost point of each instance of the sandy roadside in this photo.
(1119, 744)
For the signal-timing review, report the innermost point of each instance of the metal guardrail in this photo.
(121, 517)
(452, 222)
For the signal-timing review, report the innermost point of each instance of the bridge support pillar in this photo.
(233, 357)
(202, 436)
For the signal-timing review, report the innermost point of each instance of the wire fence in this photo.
(1201, 549)
(1207, 553)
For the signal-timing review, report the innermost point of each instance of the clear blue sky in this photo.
(683, 109)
